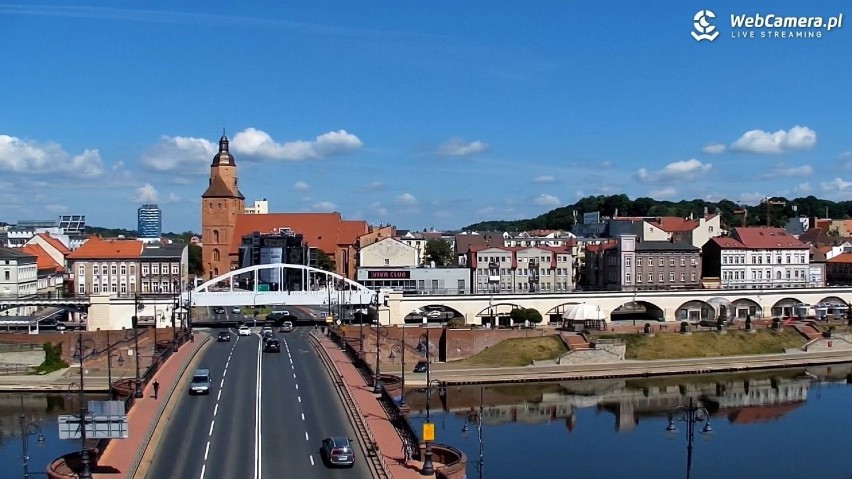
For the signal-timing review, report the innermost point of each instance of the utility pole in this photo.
(769, 202)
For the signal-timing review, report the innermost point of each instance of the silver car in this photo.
(337, 451)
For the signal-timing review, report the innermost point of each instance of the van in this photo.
(200, 383)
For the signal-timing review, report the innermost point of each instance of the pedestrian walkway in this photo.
(122, 457)
(389, 443)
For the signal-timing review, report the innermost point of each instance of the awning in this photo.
(583, 312)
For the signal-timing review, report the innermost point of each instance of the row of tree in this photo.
(732, 213)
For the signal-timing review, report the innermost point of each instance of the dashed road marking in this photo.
(207, 450)
(211, 427)
(303, 416)
(307, 438)
(299, 398)
(216, 409)
(312, 460)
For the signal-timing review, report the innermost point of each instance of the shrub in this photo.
(456, 323)
(52, 359)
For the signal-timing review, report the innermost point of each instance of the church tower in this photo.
(220, 205)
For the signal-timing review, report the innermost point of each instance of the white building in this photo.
(388, 252)
(18, 278)
(501, 269)
(758, 258)
(260, 207)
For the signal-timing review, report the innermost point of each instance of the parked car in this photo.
(421, 367)
(218, 310)
(287, 327)
(337, 451)
(435, 314)
(224, 336)
(272, 346)
(236, 310)
(244, 331)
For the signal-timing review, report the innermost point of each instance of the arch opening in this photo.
(638, 311)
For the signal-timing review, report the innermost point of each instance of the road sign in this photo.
(97, 427)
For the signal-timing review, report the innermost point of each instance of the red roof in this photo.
(96, 248)
(321, 230)
(767, 238)
(841, 258)
(727, 243)
(58, 245)
(44, 261)
(594, 248)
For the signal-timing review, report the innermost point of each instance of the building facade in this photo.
(221, 204)
(388, 253)
(106, 266)
(628, 264)
(282, 246)
(758, 258)
(416, 280)
(149, 221)
(163, 268)
(18, 278)
(260, 207)
(505, 269)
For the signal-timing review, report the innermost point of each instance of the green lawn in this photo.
(708, 344)
(518, 352)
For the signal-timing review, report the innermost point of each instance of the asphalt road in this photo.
(220, 436)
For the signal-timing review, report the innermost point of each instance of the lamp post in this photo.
(175, 287)
(28, 429)
(120, 361)
(82, 346)
(428, 427)
(137, 390)
(470, 419)
(377, 381)
(401, 349)
(691, 415)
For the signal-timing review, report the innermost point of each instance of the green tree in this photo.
(324, 261)
(439, 252)
(522, 315)
(196, 266)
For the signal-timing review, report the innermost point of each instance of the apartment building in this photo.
(506, 269)
(757, 258)
(18, 278)
(627, 264)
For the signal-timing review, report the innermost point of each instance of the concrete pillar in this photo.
(99, 312)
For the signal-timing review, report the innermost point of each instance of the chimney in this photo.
(705, 211)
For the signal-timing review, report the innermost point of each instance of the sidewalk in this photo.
(388, 441)
(122, 456)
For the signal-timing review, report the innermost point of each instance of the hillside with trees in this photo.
(782, 208)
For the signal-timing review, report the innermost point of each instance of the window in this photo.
(387, 262)
(627, 262)
(113, 270)
(650, 276)
(7, 275)
(662, 263)
(777, 275)
(682, 277)
(671, 277)
(144, 269)
(682, 261)
(661, 276)
(175, 269)
(81, 289)
(124, 270)
(638, 277)
(671, 262)
(692, 277)
(788, 274)
(627, 278)
(155, 268)
(694, 262)
(114, 288)
(95, 270)
(81, 270)
(96, 288)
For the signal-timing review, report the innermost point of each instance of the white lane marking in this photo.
(312, 459)
(222, 382)
(294, 375)
(216, 409)
(297, 386)
(303, 416)
(306, 436)
(219, 395)
(211, 427)
(224, 373)
(257, 414)
(207, 450)
(299, 398)
(203, 467)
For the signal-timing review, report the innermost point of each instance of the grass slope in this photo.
(708, 344)
(518, 352)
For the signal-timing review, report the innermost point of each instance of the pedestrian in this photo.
(156, 388)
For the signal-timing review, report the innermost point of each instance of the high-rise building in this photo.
(150, 221)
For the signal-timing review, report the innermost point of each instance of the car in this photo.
(224, 336)
(272, 345)
(421, 367)
(435, 314)
(266, 329)
(244, 331)
(287, 327)
(200, 382)
(218, 310)
(337, 451)
(236, 310)
(267, 335)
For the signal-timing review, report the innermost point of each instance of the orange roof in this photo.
(321, 230)
(674, 224)
(841, 258)
(58, 245)
(44, 261)
(764, 237)
(96, 248)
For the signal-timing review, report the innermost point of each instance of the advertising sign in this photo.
(388, 274)
(270, 256)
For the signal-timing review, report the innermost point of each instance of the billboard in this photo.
(270, 256)
(591, 218)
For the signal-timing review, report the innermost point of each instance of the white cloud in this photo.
(486, 211)
(781, 169)
(836, 185)
(662, 193)
(300, 186)
(763, 142)
(378, 208)
(677, 171)
(257, 143)
(459, 147)
(580, 193)
(375, 186)
(146, 194)
(544, 179)
(24, 156)
(56, 208)
(606, 164)
(193, 155)
(713, 149)
(406, 199)
(173, 198)
(547, 200)
(803, 188)
(750, 198)
(324, 206)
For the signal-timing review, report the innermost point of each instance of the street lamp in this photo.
(691, 415)
(82, 346)
(110, 355)
(137, 305)
(28, 429)
(428, 427)
(175, 287)
(400, 348)
(377, 381)
(474, 417)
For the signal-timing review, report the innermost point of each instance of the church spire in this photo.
(224, 156)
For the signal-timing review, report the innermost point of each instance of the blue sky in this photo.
(422, 115)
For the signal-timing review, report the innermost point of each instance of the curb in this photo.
(146, 442)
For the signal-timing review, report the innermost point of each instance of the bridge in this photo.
(323, 287)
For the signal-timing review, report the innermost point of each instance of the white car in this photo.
(435, 314)
(236, 310)
(244, 331)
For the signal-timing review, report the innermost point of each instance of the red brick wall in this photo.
(69, 340)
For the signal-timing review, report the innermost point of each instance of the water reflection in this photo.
(531, 429)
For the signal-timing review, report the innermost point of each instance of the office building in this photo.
(150, 221)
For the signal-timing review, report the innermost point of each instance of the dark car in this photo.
(337, 451)
(224, 336)
(421, 367)
(218, 310)
(267, 335)
(272, 346)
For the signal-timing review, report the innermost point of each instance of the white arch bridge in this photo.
(268, 284)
